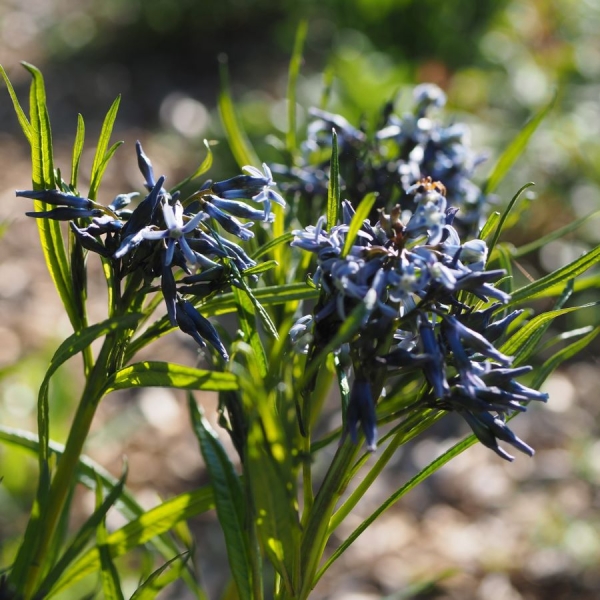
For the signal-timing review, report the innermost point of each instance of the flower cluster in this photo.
(403, 150)
(418, 281)
(164, 233)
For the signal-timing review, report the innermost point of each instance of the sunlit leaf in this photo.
(163, 374)
(333, 193)
(102, 155)
(362, 213)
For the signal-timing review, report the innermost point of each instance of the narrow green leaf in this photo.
(267, 296)
(42, 175)
(247, 318)
(99, 164)
(490, 225)
(504, 216)
(554, 235)
(164, 374)
(224, 304)
(88, 473)
(260, 268)
(328, 77)
(417, 479)
(77, 151)
(260, 311)
(542, 373)
(162, 577)
(362, 213)
(111, 584)
(229, 500)
(333, 193)
(74, 344)
(242, 150)
(283, 239)
(294, 70)
(515, 148)
(150, 524)
(271, 474)
(205, 165)
(522, 344)
(557, 279)
(23, 120)
(85, 532)
(580, 284)
(99, 173)
(41, 138)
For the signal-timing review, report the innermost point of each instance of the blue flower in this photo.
(361, 409)
(190, 321)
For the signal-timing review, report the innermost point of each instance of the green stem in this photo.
(315, 533)
(67, 466)
(398, 439)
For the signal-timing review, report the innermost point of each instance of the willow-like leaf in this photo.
(162, 577)
(247, 319)
(362, 213)
(515, 148)
(229, 500)
(504, 216)
(240, 145)
(152, 523)
(293, 72)
(543, 372)
(164, 374)
(77, 150)
(554, 235)
(101, 156)
(283, 239)
(205, 166)
(85, 532)
(557, 279)
(111, 583)
(490, 225)
(333, 192)
(522, 344)
(21, 116)
(416, 480)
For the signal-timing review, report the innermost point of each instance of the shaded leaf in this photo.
(229, 500)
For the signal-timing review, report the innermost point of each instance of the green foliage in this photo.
(270, 398)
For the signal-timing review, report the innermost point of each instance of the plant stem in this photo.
(67, 466)
(315, 533)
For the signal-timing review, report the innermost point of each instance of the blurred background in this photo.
(480, 529)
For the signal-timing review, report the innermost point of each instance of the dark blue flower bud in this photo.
(169, 291)
(143, 215)
(121, 201)
(57, 198)
(190, 321)
(145, 166)
(362, 408)
(64, 213)
(435, 368)
(89, 242)
(229, 223)
(490, 429)
(476, 341)
(241, 209)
